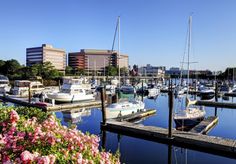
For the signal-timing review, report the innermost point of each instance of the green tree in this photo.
(124, 71)
(69, 70)
(112, 71)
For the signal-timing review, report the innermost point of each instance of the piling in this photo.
(104, 137)
(171, 97)
(216, 96)
(142, 90)
(169, 154)
(29, 94)
(104, 116)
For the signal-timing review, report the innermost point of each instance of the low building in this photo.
(92, 60)
(46, 53)
(150, 70)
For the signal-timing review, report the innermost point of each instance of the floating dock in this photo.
(57, 107)
(209, 144)
(216, 104)
(205, 126)
(137, 116)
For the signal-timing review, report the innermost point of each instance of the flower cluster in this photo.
(28, 140)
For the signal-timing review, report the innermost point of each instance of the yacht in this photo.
(4, 84)
(123, 108)
(21, 87)
(72, 90)
(127, 89)
(207, 93)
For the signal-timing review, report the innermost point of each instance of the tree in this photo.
(69, 70)
(112, 71)
(124, 71)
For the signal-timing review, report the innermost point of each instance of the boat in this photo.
(127, 89)
(123, 108)
(72, 90)
(207, 93)
(153, 92)
(4, 84)
(21, 87)
(191, 115)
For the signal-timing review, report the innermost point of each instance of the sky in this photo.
(151, 31)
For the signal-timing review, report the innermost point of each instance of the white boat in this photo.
(4, 84)
(72, 90)
(21, 87)
(127, 89)
(207, 93)
(190, 116)
(124, 108)
(153, 92)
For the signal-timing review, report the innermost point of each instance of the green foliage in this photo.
(112, 71)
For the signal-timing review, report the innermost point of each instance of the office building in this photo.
(96, 60)
(46, 53)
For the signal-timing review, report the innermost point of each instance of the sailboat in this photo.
(191, 115)
(122, 108)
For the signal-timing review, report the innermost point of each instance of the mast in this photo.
(119, 49)
(189, 50)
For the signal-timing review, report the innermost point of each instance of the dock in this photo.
(216, 104)
(137, 116)
(205, 126)
(195, 141)
(57, 107)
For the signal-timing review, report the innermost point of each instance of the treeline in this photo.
(14, 70)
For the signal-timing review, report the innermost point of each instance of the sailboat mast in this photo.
(119, 49)
(189, 50)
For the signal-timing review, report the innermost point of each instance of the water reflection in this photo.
(75, 116)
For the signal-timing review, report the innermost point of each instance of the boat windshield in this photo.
(65, 90)
(3, 82)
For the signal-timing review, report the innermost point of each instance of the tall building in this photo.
(96, 60)
(46, 53)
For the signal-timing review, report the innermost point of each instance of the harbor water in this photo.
(133, 150)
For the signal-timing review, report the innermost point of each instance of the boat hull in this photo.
(187, 123)
(70, 97)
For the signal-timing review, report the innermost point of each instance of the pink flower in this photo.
(44, 160)
(14, 117)
(52, 158)
(26, 156)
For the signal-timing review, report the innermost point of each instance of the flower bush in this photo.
(28, 135)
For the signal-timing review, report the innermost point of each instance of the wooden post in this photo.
(169, 154)
(104, 116)
(216, 92)
(29, 94)
(216, 96)
(142, 91)
(171, 96)
(104, 137)
(195, 89)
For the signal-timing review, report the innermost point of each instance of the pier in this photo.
(195, 141)
(205, 126)
(57, 107)
(216, 104)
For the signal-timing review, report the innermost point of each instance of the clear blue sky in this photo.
(152, 31)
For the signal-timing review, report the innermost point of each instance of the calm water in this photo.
(137, 151)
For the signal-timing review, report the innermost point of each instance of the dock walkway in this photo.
(204, 126)
(209, 144)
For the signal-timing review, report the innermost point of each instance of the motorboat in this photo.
(4, 84)
(207, 93)
(72, 90)
(123, 108)
(153, 92)
(127, 89)
(21, 87)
